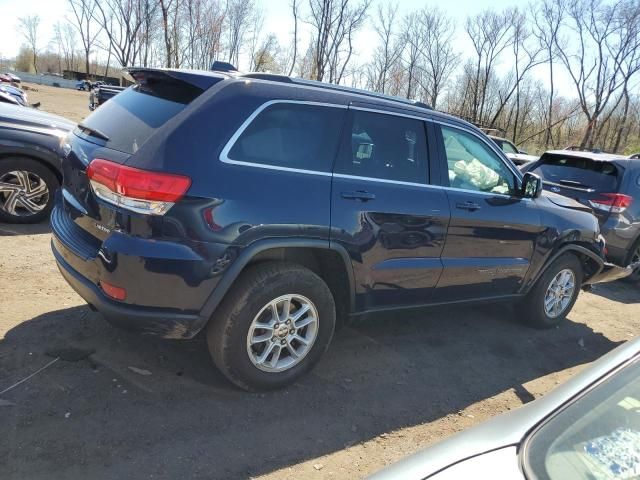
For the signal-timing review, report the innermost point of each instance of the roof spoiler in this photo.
(218, 66)
(199, 79)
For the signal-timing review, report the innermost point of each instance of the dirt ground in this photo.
(72, 104)
(386, 388)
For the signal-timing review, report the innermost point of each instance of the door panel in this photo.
(492, 233)
(391, 223)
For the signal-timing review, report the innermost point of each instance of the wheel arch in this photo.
(591, 262)
(36, 156)
(329, 261)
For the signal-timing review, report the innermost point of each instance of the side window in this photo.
(291, 135)
(473, 165)
(384, 146)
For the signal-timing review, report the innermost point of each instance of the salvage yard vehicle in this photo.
(30, 170)
(101, 94)
(513, 153)
(267, 209)
(587, 428)
(610, 185)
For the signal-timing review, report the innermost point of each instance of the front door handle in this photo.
(359, 195)
(470, 206)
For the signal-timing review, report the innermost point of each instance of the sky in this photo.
(278, 19)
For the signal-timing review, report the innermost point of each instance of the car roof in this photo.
(600, 157)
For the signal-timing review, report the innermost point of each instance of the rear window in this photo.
(579, 172)
(132, 116)
(291, 135)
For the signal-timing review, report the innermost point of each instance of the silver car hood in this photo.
(507, 429)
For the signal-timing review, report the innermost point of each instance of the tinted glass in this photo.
(473, 165)
(292, 136)
(595, 437)
(385, 146)
(132, 116)
(579, 172)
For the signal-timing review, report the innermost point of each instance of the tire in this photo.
(232, 325)
(532, 307)
(634, 256)
(31, 178)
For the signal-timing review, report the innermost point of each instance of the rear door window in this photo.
(383, 146)
(578, 172)
(291, 135)
(132, 116)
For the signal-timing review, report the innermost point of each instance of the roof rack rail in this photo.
(268, 76)
(331, 86)
(359, 91)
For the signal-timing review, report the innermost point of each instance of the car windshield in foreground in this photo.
(595, 437)
(579, 172)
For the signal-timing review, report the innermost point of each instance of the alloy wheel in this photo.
(282, 333)
(23, 193)
(559, 293)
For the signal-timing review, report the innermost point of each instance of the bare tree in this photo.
(122, 21)
(266, 56)
(594, 64)
(547, 20)
(83, 12)
(239, 16)
(525, 57)
(388, 51)
(440, 58)
(29, 28)
(490, 34)
(334, 23)
(65, 37)
(294, 11)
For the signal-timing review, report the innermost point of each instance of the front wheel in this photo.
(272, 327)
(26, 190)
(554, 294)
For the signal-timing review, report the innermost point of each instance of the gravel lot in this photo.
(387, 387)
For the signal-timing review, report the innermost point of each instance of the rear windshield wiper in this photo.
(93, 132)
(572, 183)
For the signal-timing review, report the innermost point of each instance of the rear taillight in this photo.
(141, 191)
(612, 202)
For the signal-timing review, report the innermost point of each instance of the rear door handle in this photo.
(359, 195)
(470, 206)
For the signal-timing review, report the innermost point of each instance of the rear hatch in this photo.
(117, 130)
(593, 183)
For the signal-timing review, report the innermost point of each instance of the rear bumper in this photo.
(611, 272)
(620, 237)
(146, 320)
(167, 283)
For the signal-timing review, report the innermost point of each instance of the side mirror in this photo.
(531, 186)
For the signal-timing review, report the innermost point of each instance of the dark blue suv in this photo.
(266, 210)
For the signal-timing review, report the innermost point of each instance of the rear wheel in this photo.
(272, 327)
(553, 296)
(26, 190)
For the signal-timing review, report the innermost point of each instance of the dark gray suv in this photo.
(610, 185)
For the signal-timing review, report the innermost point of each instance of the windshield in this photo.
(596, 437)
(579, 172)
